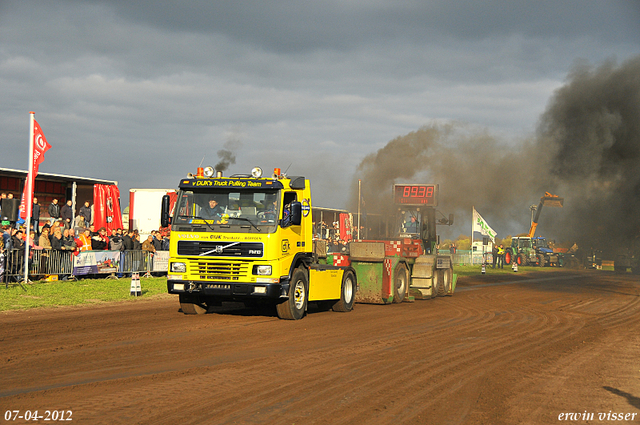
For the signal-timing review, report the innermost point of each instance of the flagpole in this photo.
(359, 202)
(29, 202)
(471, 247)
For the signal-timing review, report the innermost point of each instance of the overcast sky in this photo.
(140, 92)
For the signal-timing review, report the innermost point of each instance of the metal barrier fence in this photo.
(45, 263)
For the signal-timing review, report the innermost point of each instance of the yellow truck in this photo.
(249, 238)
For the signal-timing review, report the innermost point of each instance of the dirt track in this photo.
(504, 353)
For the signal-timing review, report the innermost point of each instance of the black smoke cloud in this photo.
(592, 127)
(227, 154)
(586, 149)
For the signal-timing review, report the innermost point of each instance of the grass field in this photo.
(69, 292)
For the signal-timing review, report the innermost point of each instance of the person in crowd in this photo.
(165, 242)
(452, 248)
(157, 240)
(56, 240)
(54, 212)
(54, 228)
(66, 214)
(17, 242)
(148, 244)
(115, 241)
(17, 245)
(45, 243)
(85, 213)
(33, 239)
(35, 217)
(85, 240)
(44, 240)
(76, 239)
(127, 240)
(68, 241)
(100, 241)
(137, 246)
(6, 237)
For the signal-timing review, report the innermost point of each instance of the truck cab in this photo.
(246, 238)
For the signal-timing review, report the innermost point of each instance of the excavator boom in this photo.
(548, 200)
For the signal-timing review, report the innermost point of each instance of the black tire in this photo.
(295, 307)
(347, 293)
(400, 283)
(192, 304)
(447, 281)
(541, 261)
(440, 289)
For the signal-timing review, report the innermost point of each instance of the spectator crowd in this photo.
(66, 232)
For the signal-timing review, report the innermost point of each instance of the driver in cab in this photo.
(213, 211)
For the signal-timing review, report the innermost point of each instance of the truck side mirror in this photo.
(296, 213)
(164, 215)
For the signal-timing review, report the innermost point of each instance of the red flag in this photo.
(106, 201)
(40, 146)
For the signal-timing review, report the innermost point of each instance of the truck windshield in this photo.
(225, 211)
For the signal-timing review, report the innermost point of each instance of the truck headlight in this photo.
(262, 270)
(178, 267)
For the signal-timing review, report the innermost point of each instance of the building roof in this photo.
(55, 177)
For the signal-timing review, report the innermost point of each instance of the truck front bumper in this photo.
(230, 291)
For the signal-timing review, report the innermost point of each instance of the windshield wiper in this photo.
(246, 219)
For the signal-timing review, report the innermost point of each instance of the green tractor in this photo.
(522, 252)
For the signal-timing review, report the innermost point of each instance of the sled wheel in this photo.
(400, 283)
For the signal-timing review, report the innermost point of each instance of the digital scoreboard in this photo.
(416, 195)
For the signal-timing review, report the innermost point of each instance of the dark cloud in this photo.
(125, 89)
(293, 26)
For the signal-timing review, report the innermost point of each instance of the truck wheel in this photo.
(347, 292)
(400, 280)
(192, 304)
(296, 305)
(507, 258)
(541, 260)
(521, 260)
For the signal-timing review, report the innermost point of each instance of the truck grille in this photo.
(221, 249)
(209, 270)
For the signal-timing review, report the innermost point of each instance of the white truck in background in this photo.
(144, 209)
